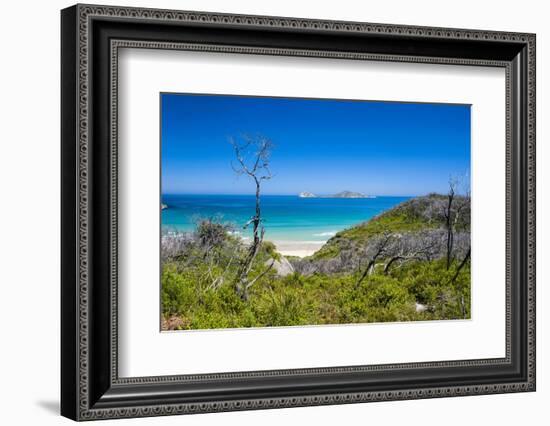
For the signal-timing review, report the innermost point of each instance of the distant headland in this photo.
(343, 194)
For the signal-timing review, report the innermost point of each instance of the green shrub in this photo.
(178, 292)
(203, 296)
(269, 249)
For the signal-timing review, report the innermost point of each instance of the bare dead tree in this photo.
(452, 219)
(453, 211)
(448, 215)
(379, 250)
(464, 261)
(253, 155)
(410, 247)
(403, 257)
(462, 264)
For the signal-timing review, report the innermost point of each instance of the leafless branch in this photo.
(462, 264)
(257, 168)
(251, 283)
(379, 250)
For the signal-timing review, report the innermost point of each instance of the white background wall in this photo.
(29, 214)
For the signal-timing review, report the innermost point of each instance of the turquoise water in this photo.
(286, 217)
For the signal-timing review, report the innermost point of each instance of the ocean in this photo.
(286, 217)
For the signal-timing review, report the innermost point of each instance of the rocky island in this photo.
(350, 194)
(343, 194)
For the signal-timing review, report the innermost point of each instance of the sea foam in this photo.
(325, 234)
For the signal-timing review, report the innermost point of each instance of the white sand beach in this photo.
(298, 248)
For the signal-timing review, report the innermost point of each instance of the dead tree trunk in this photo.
(368, 271)
(462, 264)
(455, 276)
(390, 263)
(259, 171)
(380, 250)
(453, 213)
(449, 224)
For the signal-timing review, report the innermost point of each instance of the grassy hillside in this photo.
(414, 215)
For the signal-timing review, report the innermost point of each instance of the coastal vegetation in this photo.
(409, 263)
(391, 268)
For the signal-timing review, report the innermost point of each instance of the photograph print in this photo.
(280, 212)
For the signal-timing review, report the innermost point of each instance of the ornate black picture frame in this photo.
(91, 36)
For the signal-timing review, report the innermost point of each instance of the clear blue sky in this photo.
(320, 146)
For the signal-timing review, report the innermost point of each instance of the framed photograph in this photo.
(263, 212)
